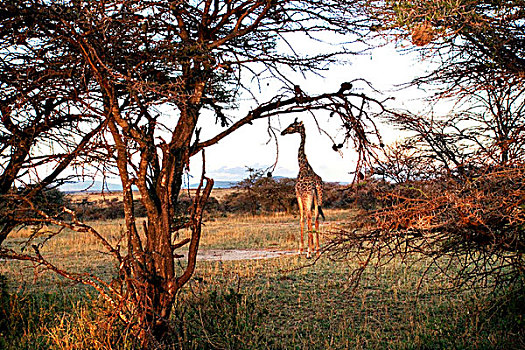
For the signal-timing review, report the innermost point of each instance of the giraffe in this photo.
(308, 189)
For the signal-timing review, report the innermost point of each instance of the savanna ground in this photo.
(278, 303)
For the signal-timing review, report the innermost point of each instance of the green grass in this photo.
(316, 308)
(277, 303)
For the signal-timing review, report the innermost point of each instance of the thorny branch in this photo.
(471, 230)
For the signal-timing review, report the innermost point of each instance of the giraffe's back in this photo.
(310, 185)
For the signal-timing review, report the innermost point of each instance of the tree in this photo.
(461, 206)
(478, 48)
(468, 231)
(468, 38)
(42, 108)
(262, 192)
(137, 59)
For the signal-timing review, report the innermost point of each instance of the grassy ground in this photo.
(276, 303)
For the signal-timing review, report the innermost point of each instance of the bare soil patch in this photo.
(241, 254)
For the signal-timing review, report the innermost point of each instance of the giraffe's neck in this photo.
(304, 166)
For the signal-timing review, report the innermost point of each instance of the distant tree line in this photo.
(254, 195)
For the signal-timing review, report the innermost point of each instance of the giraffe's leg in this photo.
(308, 207)
(310, 236)
(319, 203)
(301, 221)
(316, 216)
(317, 249)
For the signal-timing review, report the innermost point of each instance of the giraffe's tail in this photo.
(318, 201)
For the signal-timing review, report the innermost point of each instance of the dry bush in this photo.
(259, 193)
(338, 196)
(364, 195)
(472, 228)
(110, 209)
(267, 194)
(422, 34)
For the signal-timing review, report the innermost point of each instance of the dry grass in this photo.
(82, 252)
(258, 232)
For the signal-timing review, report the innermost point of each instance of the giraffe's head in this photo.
(293, 128)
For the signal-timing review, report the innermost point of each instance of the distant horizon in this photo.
(100, 186)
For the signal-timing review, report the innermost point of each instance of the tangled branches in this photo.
(472, 228)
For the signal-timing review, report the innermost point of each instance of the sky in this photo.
(384, 67)
(251, 147)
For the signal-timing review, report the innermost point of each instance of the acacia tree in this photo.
(468, 38)
(42, 105)
(463, 209)
(261, 192)
(478, 50)
(138, 59)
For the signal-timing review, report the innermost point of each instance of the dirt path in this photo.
(237, 254)
(241, 254)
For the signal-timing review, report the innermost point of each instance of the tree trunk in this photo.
(150, 277)
(160, 283)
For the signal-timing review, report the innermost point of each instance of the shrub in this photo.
(259, 193)
(49, 200)
(476, 221)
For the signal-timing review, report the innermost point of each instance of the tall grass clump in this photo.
(67, 319)
(24, 317)
(221, 318)
(89, 326)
